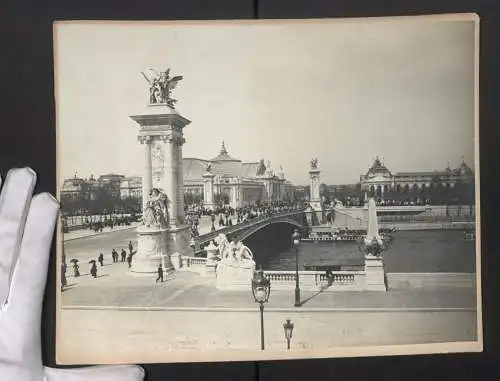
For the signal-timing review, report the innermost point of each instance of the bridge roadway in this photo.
(243, 230)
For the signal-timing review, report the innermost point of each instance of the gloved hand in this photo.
(27, 225)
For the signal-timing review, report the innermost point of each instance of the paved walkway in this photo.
(116, 286)
(173, 336)
(186, 318)
(84, 233)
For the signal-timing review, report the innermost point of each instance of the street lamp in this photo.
(296, 242)
(288, 327)
(261, 288)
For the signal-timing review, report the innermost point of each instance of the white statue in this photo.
(156, 212)
(223, 246)
(233, 251)
(243, 253)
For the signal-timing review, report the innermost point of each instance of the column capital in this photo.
(175, 140)
(178, 140)
(144, 139)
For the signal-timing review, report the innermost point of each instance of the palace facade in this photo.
(446, 185)
(236, 183)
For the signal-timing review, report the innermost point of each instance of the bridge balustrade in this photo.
(247, 224)
(317, 280)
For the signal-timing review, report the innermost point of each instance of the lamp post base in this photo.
(262, 326)
(297, 297)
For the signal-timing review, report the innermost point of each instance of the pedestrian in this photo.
(129, 260)
(76, 269)
(329, 277)
(100, 258)
(93, 270)
(130, 246)
(124, 255)
(64, 281)
(160, 274)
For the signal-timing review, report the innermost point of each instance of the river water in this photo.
(411, 251)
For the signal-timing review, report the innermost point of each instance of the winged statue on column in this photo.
(160, 86)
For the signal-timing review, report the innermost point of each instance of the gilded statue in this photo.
(314, 163)
(160, 87)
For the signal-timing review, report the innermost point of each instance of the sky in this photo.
(344, 92)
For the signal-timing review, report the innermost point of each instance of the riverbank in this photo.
(430, 225)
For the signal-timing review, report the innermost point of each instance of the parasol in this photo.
(92, 261)
(74, 261)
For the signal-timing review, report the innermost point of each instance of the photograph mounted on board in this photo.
(256, 190)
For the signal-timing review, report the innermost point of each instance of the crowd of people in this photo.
(225, 215)
(99, 223)
(116, 257)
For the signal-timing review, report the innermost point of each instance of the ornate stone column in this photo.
(147, 176)
(208, 190)
(180, 180)
(170, 186)
(315, 182)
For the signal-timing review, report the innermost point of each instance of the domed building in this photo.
(235, 182)
(380, 182)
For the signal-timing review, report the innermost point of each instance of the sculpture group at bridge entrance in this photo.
(235, 266)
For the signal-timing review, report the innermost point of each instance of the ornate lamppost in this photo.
(288, 327)
(295, 244)
(261, 288)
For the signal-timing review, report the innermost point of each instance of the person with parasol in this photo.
(76, 268)
(93, 268)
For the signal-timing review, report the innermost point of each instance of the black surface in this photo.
(28, 139)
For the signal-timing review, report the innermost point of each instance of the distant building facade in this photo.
(131, 188)
(235, 183)
(449, 184)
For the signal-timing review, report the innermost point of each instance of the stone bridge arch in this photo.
(254, 229)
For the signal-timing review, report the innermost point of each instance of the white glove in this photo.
(26, 229)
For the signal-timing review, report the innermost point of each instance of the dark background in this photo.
(27, 125)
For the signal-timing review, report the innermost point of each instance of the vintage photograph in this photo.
(250, 190)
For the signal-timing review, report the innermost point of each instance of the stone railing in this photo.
(187, 263)
(247, 224)
(317, 280)
(371, 279)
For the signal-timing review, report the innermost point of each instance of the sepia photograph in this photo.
(267, 189)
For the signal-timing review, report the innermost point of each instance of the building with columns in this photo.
(449, 183)
(234, 181)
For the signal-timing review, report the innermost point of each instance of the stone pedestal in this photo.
(161, 130)
(212, 260)
(309, 216)
(208, 191)
(235, 275)
(178, 240)
(315, 199)
(375, 274)
(151, 251)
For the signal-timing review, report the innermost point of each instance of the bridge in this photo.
(243, 230)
